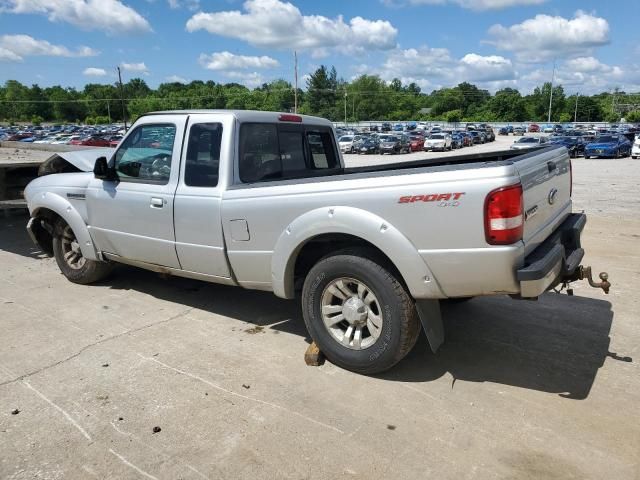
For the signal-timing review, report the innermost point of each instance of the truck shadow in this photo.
(555, 345)
(14, 237)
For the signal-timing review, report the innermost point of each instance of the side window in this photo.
(203, 155)
(259, 153)
(145, 155)
(322, 150)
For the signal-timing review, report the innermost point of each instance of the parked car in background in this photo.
(635, 149)
(346, 143)
(519, 131)
(467, 140)
(94, 141)
(114, 140)
(393, 144)
(456, 141)
(608, 146)
(574, 145)
(529, 142)
(385, 127)
(475, 136)
(533, 128)
(437, 141)
(369, 145)
(416, 142)
(503, 131)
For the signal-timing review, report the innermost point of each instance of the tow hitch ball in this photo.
(584, 273)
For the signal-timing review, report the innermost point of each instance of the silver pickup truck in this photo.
(264, 201)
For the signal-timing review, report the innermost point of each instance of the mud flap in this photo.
(431, 319)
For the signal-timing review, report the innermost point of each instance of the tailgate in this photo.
(545, 175)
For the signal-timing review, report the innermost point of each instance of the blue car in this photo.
(608, 146)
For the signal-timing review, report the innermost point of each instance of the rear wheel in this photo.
(72, 264)
(358, 313)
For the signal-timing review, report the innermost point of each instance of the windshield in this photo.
(436, 137)
(346, 138)
(528, 140)
(606, 139)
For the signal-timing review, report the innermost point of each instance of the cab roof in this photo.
(250, 116)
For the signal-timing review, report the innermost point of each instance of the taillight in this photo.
(290, 118)
(503, 218)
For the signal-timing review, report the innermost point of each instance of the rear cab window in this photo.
(271, 152)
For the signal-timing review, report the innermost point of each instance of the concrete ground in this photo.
(547, 389)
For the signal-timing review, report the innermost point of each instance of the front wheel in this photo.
(358, 313)
(72, 264)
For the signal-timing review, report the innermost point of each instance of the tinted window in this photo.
(145, 155)
(203, 155)
(259, 153)
(267, 153)
(322, 150)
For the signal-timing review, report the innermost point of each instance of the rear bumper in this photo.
(556, 258)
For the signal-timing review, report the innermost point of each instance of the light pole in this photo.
(575, 115)
(345, 108)
(553, 75)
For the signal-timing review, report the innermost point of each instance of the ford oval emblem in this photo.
(552, 196)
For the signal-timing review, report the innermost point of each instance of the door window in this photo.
(203, 155)
(145, 155)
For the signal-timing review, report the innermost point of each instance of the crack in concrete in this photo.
(99, 342)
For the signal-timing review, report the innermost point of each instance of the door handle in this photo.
(157, 202)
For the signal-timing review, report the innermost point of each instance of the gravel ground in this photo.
(526, 390)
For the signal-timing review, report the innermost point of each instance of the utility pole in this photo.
(553, 76)
(345, 107)
(575, 115)
(109, 111)
(124, 115)
(295, 92)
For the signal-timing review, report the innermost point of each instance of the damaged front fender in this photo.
(74, 161)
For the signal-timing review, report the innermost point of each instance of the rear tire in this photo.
(72, 264)
(358, 313)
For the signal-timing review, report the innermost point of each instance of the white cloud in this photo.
(229, 61)
(279, 24)
(586, 75)
(7, 55)
(486, 69)
(192, 5)
(135, 68)
(250, 80)
(470, 4)
(545, 37)
(16, 47)
(435, 67)
(176, 79)
(94, 72)
(111, 16)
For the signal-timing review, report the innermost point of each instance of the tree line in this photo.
(367, 97)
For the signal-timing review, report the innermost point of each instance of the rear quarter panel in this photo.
(438, 210)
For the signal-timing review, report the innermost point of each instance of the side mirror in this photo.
(101, 169)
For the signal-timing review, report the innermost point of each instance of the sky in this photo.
(435, 43)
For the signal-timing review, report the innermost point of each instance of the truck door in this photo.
(133, 216)
(198, 200)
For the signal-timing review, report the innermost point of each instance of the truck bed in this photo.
(476, 160)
